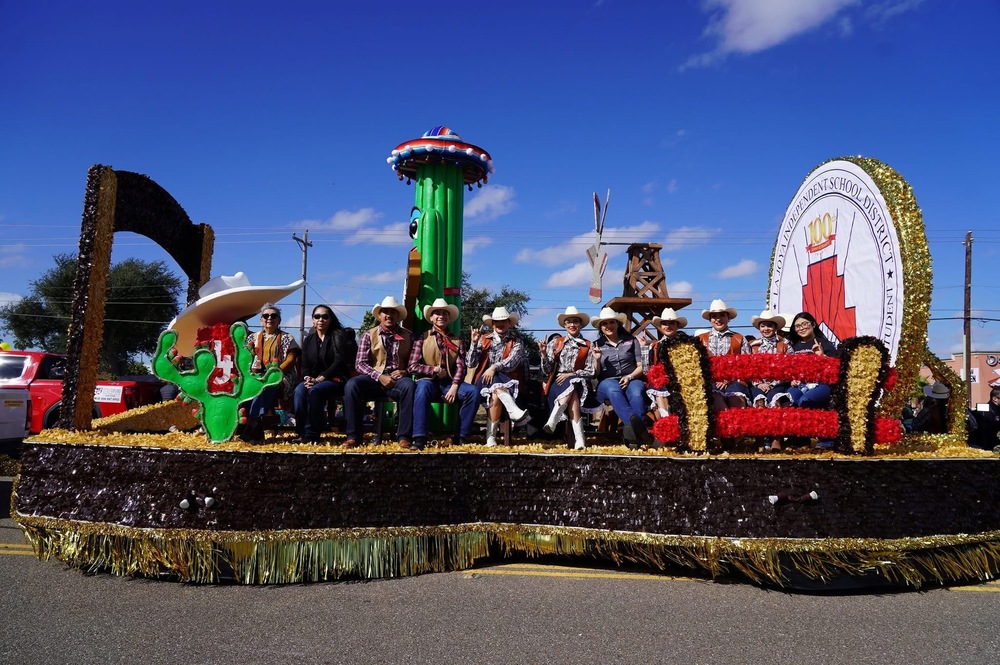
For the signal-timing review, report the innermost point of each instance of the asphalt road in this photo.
(521, 612)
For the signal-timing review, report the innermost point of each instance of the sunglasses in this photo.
(268, 315)
(321, 317)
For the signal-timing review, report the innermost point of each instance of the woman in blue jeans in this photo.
(328, 353)
(619, 368)
(806, 337)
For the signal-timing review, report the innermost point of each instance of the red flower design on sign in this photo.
(824, 297)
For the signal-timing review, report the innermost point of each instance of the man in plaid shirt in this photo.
(381, 364)
(438, 362)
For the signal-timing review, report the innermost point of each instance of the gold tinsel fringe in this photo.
(295, 556)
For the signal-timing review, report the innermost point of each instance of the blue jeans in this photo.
(630, 402)
(363, 389)
(264, 402)
(811, 398)
(433, 390)
(310, 404)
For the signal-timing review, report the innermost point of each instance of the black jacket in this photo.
(331, 359)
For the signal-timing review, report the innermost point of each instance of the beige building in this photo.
(985, 373)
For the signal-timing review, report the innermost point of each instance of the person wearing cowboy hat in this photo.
(569, 364)
(768, 392)
(669, 324)
(721, 340)
(619, 373)
(269, 346)
(497, 360)
(383, 354)
(933, 415)
(438, 362)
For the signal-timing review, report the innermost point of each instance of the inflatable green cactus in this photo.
(218, 412)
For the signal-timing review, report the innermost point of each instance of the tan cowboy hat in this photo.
(573, 312)
(668, 314)
(389, 303)
(718, 306)
(937, 390)
(224, 299)
(608, 314)
(501, 314)
(768, 317)
(439, 303)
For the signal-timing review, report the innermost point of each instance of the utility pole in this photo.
(967, 332)
(304, 245)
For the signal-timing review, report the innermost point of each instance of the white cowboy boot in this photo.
(578, 435)
(491, 433)
(518, 415)
(550, 424)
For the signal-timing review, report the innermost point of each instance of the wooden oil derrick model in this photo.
(645, 289)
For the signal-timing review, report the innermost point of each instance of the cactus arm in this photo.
(249, 385)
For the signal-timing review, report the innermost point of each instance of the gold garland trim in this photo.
(305, 555)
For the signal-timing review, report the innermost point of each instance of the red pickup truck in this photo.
(41, 374)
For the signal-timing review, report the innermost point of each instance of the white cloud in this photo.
(680, 289)
(742, 269)
(688, 236)
(391, 234)
(672, 185)
(387, 277)
(883, 11)
(490, 202)
(13, 256)
(342, 220)
(7, 298)
(750, 26)
(576, 247)
(650, 187)
(470, 245)
(580, 274)
(577, 275)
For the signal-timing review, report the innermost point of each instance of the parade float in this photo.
(128, 497)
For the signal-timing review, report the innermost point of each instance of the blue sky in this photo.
(702, 117)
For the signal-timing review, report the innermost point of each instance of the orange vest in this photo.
(579, 363)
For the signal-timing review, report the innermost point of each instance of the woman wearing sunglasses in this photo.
(328, 353)
(806, 337)
(270, 346)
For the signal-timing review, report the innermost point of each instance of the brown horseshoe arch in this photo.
(120, 201)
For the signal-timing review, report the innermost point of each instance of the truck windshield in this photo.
(11, 367)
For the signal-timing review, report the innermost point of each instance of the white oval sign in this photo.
(837, 257)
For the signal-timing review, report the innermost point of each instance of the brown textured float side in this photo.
(143, 488)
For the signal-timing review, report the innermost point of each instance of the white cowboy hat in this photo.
(224, 299)
(937, 390)
(389, 303)
(768, 317)
(607, 314)
(570, 313)
(787, 328)
(440, 303)
(668, 314)
(718, 306)
(501, 314)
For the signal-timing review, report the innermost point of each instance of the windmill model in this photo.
(644, 293)
(598, 257)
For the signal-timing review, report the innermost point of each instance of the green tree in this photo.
(141, 300)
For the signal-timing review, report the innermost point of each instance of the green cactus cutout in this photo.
(218, 412)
